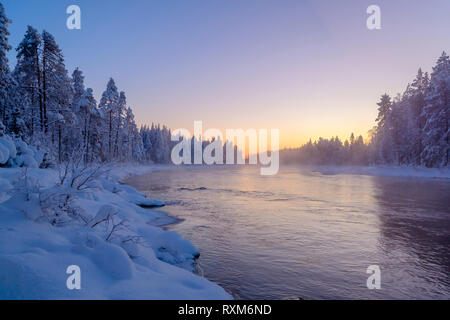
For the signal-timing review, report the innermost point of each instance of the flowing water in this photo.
(304, 235)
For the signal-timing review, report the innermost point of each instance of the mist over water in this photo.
(304, 235)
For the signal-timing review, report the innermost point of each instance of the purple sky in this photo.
(309, 68)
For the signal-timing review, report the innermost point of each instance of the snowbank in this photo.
(392, 171)
(45, 227)
(16, 153)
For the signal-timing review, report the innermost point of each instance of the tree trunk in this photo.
(41, 110)
(86, 135)
(32, 120)
(110, 134)
(45, 95)
(116, 143)
(59, 144)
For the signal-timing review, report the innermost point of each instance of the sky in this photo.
(310, 68)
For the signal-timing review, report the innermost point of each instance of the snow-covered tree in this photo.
(88, 121)
(5, 81)
(40, 103)
(56, 97)
(108, 106)
(119, 122)
(414, 99)
(45, 107)
(132, 142)
(436, 113)
(383, 127)
(94, 145)
(27, 75)
(156, 143)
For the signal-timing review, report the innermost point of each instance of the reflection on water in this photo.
(415, 231)
(301, 234)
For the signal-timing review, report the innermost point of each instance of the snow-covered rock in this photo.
(130, 194)
(150, 203)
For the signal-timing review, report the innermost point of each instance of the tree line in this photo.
(411, 129)
(46, 107)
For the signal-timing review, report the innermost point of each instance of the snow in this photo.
(139, 199)
(390, 171)
(16, 153)
(105, 213)
(121, 252)
(113, 260)
(7, 149)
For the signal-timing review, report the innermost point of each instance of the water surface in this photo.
(304, 235)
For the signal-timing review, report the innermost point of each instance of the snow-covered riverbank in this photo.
(46, 227)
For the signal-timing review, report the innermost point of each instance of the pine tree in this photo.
(383, 125)
(56, 97)
(27, 74)
(81, 107)
(94, 122)
(414, 102)
(155, 143)
(384, 107)
(132, 142)
(108, 106)
(118, 121)
(5, 81)
(146, 142)
(16, 124)
(437, 114)
(78, 89)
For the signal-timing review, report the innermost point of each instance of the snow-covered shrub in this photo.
(25, 156)
(58, 202)
(25, 196)
(16, 153)
(113, 227)
(104, 214)
(58, 205)
(131, 246)
(80, 176)
(7, 147)
(54, 204)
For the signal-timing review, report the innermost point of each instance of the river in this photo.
(301, 234)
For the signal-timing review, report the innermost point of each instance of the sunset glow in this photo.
(309, 68)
